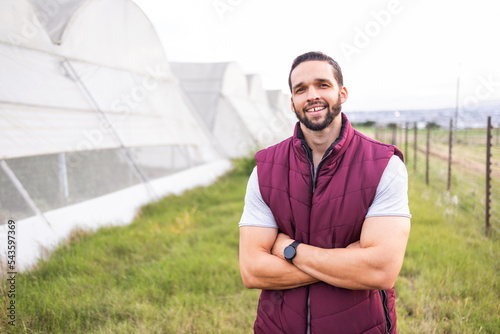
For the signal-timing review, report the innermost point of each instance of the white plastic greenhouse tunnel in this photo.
(94, 122)
(233, 106)
(278, 126)
(280, 104)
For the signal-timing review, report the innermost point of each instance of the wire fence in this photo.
(463, 163)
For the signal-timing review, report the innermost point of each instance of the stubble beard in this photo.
(333, 112)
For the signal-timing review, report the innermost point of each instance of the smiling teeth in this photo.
(316, 109)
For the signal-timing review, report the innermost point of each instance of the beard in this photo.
(332, 112)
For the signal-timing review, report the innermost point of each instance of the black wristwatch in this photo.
(291, 251)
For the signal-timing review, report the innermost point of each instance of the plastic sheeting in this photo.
(233, 106)
(142, 109)
(210, 87)
(93, 123)
(86, 111)
(280, 103)
(20, 26)
(34, 238)
(123, 74)
(278, 126)
(55, 15)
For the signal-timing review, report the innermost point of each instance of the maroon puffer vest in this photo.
(329, 217)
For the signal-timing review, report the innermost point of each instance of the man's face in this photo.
(316, 95)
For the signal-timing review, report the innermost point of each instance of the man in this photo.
(326, 218)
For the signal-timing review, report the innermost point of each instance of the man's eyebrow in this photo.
(297, 85)
(315, 80)
(322, 80)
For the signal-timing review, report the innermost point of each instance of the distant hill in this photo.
(470, 117)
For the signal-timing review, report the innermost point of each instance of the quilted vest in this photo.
(328, 214)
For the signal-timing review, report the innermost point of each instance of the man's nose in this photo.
(312, 93)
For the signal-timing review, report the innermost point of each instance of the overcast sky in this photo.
(395, 54)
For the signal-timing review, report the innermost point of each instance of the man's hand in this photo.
(356, 244)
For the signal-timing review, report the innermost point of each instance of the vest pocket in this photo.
(269, 312)
(388, 321)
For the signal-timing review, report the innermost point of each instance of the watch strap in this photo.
(294, 245)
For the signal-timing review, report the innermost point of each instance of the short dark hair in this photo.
(316, 55)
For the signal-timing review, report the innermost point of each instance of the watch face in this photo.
(289, 252)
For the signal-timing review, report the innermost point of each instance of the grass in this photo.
(468, 177)
(175, 270)
(449, 281)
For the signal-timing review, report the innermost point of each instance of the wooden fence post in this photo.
(406, 140)
(427, 154)
(450, 145)
(395, 134)
(488, 175)
(415, 146)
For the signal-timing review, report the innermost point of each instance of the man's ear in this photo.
(343, 94)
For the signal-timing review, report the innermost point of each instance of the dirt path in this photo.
(468, 165)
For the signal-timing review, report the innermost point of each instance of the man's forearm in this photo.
(269, 272)
(341, 267)
(372, 263)
(354, 269)
(351, 270)
(262, 270)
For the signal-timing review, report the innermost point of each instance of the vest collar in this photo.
(336, 148)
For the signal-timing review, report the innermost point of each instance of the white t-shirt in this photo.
(391, 197)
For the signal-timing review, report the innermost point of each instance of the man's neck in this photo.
(320, 141)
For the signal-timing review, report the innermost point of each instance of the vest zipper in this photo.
(314, 179)
(388, 321)
(311, 167)
(308, 330)
(314, 175)
(313, 188)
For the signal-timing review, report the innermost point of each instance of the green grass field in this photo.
(175, 270)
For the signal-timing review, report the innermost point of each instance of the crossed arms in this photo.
(372, 263)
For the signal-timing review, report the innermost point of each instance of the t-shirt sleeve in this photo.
(256, 212)
(391, 198)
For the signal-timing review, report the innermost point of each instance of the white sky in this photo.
(395, 54)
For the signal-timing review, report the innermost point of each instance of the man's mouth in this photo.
(315, 110)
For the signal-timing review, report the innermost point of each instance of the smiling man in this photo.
(326, 218)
